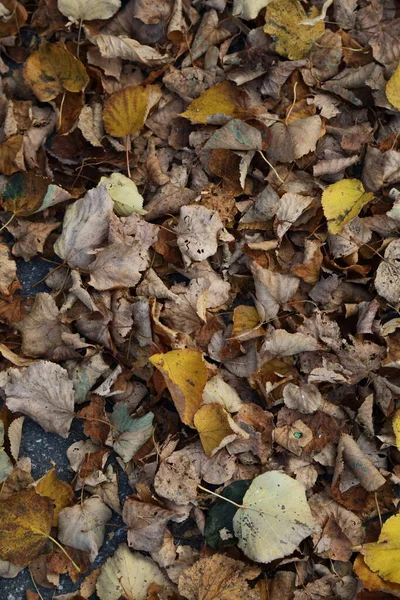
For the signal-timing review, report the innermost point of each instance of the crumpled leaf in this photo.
(283, 21)
(192, 242)
(8, 270)
(121, 46)
(249, 9)
(127, 574)
(30, 236)
(43, 392)
(218, 577)
(282, 343)
(387, 280)
(87, 10)
(83, 526)
(59, 491)
(185, 374)
(124, 194)
(215, 105)
(209, 33)
(11, 156)
(274, 519)
(52, 70)
(26, 520)
(85, 227)
(342, 201)
(272, 289)
(126, 111)
(382, 556)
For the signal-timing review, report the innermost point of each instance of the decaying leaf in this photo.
(26, 521)
(53, 70)
(193, 221)
(218, 577)
(83, 526)
(129, 574)
(43, 392)
(215, 105)
(283, 22)
(59, 491)
(274, 519)
(87, 10)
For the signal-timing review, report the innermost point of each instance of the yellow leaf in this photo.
(221, 100)
(124, 194)
(215, 426)
(383, 556)
(185, 374)
(284, 24)
(126, 110)
(26, 520)
(396, 427)
(53, 70)
(245, 318)
(342, 201)
(393, 88)
(59, 491)
(371, 580)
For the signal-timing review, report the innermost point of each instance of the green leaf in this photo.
(220, 516)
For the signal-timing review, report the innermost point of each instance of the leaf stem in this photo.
(271, 167)
(220, 497)
(34, 583)
(64, 551)
(128, 167)
(8, 222)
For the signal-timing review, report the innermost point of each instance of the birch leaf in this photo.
(342, 202)
(274, 518)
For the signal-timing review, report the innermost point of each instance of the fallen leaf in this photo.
(274, 517)
(185, 374)
(26, 521)
(218, 577)
(121, 46)
(177, 478)
(28, 193)
(31, 237)
(215, 105)
(127, 574)
(387, 280)
(124, 194)
(8, 270)
(43, 392)
(249, 9)
(218, 529)
(217, 390)
(11, 158)
(132, 433)
(342, 201)
(216, 428)
(393, 88)
(60, 492)
(83, 526)
(88, 10)
(146, 524)
(53, 70)
(126, 111)
(372, 581)
(193, 221)
(382, 557)
(85, 228)
(6, 465)
(292, 141)
(292, 39)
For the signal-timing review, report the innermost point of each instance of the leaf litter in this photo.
(215, 187)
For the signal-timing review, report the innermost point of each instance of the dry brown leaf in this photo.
(31, 237)
(218, 577)
(292, 141)
(8, 270)
(272, 290)
(193, 221)
(43, 392)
